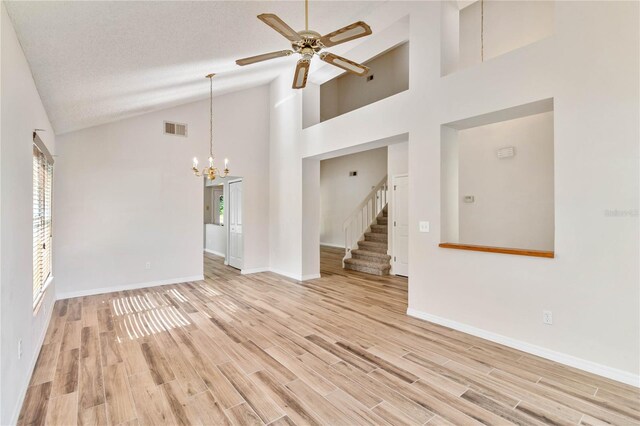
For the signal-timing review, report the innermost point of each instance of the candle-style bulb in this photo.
(226, 162)
(210, 161)
(195, 162)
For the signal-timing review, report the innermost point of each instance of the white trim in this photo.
(91, 292)
(562, 358)
(34, 359)
(296, 277)
(310, 277)
(340, 246)
(253, 270)
(216, 253)
(284, 274)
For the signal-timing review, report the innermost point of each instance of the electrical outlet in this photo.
(19, 348)
(147, 265)
(547, 317)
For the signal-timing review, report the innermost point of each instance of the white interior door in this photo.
(235, 251)
(400, 225)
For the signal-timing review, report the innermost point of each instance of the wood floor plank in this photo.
(149, 400)
(117, 395)
(90, 383)
(243, 415)
(301, 371)
(67, 369)
(209, 409)
(34, 408)
(157, 362)
(295, 408)
(266, 349)
(45, 368)
(263, 406)
(62, 410)
(94, 416)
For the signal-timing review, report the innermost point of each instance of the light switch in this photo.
(424, 226)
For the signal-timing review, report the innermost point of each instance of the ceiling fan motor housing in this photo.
(310, 43)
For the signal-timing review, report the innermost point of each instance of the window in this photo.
(42, 188)
(221, 209)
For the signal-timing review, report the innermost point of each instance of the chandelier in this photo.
(210, 172)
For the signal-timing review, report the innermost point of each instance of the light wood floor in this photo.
(261, 348)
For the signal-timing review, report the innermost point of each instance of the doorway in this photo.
(400, 225)
(234, 216)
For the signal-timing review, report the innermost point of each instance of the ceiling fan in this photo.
(308, 43)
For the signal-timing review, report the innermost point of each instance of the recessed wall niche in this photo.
(497, 181)
(389, 75)
(475, 31)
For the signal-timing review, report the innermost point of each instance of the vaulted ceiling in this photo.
(99, 61)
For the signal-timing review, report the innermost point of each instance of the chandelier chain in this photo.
(211, 116)
(481, 30)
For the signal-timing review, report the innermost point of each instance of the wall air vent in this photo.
(178, 129)
(506, 152)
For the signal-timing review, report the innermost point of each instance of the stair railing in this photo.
(360, 220)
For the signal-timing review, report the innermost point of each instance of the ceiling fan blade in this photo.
(300, 75)
(344, 63)
(280, 26)
(263, 57)
(348, 33)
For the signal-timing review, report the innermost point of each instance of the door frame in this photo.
(394, 215)
(228, 224)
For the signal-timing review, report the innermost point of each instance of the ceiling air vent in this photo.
(177, 129)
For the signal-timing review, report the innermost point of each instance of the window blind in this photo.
(42, 200)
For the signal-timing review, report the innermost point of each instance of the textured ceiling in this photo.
(95, 61)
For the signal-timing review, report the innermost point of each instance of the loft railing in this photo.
(360, 220)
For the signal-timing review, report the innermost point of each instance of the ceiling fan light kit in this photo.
(309, 43)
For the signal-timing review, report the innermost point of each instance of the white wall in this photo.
(340, 193)
(508, 25)
(513, 204)
(21, 112)
(450, 197)
(126, 195)
(589, 66)
(286, 180)
(216, 239)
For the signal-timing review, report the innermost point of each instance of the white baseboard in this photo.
(340, 246)
(310, 277)
(92, 292)
(216, 253)
(284, 274)
(296, 277)
(32, 366)
(253, 270)
(562, 358)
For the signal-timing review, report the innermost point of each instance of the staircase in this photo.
(365, 234)
(371, 255)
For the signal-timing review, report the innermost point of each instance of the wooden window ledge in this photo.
(489, 249)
